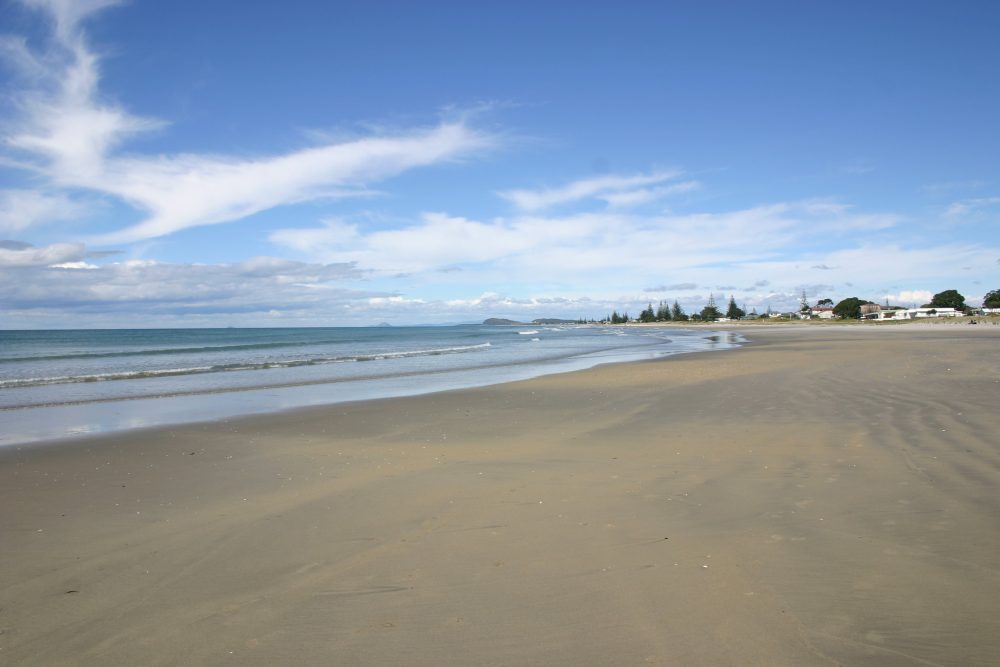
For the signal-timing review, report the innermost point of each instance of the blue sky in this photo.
(302, 163)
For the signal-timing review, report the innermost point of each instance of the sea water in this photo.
(55, 384)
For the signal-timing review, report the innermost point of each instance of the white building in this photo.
(822, 312)
(912, 313)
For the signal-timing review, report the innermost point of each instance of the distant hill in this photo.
(542, 320)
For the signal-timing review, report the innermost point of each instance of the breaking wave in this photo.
(224, 368)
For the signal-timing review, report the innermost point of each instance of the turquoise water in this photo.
(55, 384)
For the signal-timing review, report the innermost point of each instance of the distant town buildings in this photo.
(873, 311)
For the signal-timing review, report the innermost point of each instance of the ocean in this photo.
(58, 384)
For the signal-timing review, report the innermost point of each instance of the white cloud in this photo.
(969, 209)
(69, 133)
(837, 217)
(905, 297)
(187, 191)
(64, 122)
(67, 14)
(601, 187)
(944, 187)
(14, 254)
(629, 198)
(394, 301)
(869, 265)
(265, 290)
(676, 287)
(435, 243)
(138, 292)
(858, 167)
(491, 300)
(595, 252)
(20, 209)
(76, 265)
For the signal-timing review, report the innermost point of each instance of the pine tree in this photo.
(734, 312)
(677, 313)
(662, 312)
(619, 319)
(710, 312)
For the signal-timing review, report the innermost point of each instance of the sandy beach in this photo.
(822, 496)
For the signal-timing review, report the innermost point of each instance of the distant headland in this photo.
(496, 321)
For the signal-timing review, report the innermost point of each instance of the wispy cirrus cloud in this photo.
(64, 124)
(967, 210)
(68, 14)
(945, 187)
(629, 198)
(187, 191)
(858, 167)
(613, 189)
(70, 134)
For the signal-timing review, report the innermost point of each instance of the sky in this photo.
(323, 164)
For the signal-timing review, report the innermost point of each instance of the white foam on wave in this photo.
(240, 366)
(528, 333)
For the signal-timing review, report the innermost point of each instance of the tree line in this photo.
(850, 308)
(675, 313)
(846, 309)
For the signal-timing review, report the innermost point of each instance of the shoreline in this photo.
(182, 408)
(76, 419)
(809, 497)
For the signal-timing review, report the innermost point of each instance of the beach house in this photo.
(822, 312)
(879, 313)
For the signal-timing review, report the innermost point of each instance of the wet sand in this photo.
(826, 495)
